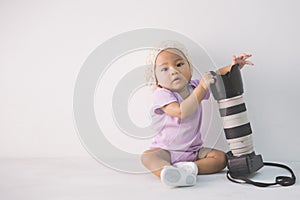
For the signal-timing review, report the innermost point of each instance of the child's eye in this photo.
(180, 64)
(164, 69)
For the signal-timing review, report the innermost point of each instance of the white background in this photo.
(43, 45)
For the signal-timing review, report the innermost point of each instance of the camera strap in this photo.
(280, 180)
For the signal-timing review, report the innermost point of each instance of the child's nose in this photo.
(174, 70)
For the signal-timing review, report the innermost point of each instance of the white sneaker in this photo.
(173, 176)
(190, 167)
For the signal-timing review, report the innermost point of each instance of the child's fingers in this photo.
(244, 56)
(249, 63)
(241, 59)
(234, 59)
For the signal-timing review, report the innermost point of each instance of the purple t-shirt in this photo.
(173, 133)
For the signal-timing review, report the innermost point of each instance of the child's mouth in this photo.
(176, 79)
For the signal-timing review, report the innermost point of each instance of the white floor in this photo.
(86, 179)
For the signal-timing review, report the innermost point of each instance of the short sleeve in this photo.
(195, 83)
(162, 97)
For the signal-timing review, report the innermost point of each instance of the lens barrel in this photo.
(228, 91)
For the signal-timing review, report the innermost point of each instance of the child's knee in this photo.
(154, 154)
(148, 155)
(145, 157)
(222, 159)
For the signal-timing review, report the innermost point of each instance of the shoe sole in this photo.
(172, 176)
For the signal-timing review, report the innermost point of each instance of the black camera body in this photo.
(244, 165)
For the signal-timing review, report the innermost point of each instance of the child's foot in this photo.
(190, 167)
(173, 176)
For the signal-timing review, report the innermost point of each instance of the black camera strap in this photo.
(280, 180)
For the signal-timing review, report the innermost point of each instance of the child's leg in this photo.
(211, 161)
(155, 160)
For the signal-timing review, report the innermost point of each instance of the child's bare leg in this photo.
(155, 160)
(213, 162)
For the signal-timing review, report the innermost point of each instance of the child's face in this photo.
(172, 70)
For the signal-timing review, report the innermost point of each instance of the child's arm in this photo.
(241, 60)
(190, 104)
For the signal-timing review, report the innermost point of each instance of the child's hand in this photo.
(206, 80)
(241, 60)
